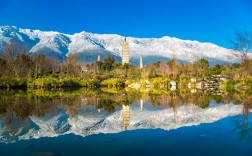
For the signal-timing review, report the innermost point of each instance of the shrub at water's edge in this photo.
(47, 82)
(113, 82)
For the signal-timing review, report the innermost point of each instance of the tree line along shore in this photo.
(18, 69)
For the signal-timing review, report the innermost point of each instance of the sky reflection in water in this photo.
(86, 126)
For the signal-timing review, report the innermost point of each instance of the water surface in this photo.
(82, 122)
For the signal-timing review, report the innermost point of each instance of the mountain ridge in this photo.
(86, 124)
(89, 45)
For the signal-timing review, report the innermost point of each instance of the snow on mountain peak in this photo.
(91, 45)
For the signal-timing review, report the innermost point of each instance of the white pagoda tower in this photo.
(125, 52)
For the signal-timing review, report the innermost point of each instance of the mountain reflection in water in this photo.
(31, 115)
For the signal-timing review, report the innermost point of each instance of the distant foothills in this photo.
(36, 59)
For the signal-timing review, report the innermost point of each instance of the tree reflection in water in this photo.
(243, 125)
(17, 106)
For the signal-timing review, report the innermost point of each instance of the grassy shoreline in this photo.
(159, 83)
(46, 82)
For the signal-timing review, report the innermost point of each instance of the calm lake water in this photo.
(84, 122)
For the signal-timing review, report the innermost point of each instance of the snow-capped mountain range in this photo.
(90, 45)
(91, 122)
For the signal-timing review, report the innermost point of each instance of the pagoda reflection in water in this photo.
(126, 113)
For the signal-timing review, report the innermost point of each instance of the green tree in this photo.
(200, 66)
(108, 63)
(216, 69)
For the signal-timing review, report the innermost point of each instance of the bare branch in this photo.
(242, 44)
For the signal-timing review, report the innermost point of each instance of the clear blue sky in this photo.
(204, 20)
